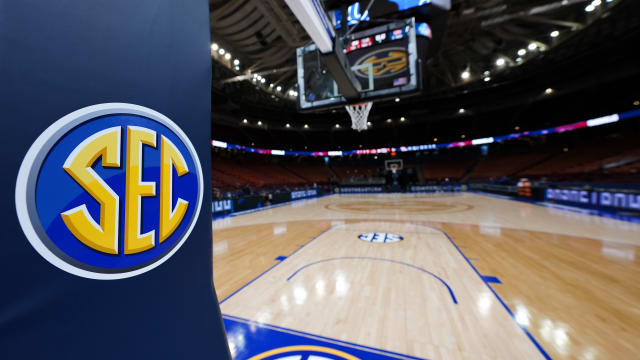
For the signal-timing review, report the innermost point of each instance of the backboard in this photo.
(384, 59)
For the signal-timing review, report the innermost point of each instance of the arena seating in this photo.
(614, 159)
(439, 171)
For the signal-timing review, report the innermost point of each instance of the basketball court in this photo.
(474, 277)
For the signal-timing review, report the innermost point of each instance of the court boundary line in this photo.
(276, 264)
(506, 307)
(453, 297)
(322, 338)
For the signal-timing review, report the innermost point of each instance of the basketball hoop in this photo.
(359, 114)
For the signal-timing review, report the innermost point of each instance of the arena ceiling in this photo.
(546, 44)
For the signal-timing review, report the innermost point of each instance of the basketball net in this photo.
(359, 114)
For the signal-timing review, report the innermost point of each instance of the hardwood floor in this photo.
(569, 282)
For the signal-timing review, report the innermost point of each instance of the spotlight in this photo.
(532, 46)
(554, 33)
(389, 120)
(236, 62)
(519, 60)
(214, 47)
(259, 123)
(245, 121)
(238, 68)
(338, 126)
(306, 126)
(522, 52)
(263, 80)
(287, 126)
(465, 75)
(397, 99)
(221, 51)
(636, 103)
(548, 91)
(368, 123)
(487, 79)
(461, 111)
(463, 136)
(589, 8)
(500, 62)
(402, 119)
(279, 88)
(435, 139)
(227, 56)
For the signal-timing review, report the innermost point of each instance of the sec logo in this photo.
(109, 191)
(379, 237)
(300, 352)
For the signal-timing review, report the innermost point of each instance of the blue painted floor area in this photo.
(252, 340)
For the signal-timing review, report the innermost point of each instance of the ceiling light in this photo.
(519, 60)
(532, 46)
(238, 68)
(279, 88)
(522, 52)
(245, 121)
(589, 8)
(548, 91)
(463, 136)
(465, 75)
(227, 56)
(461, 111)
(397, 99)
(221, 51)
(487, 73)
(259, 123)
(271, 85)
(214, 47)
(487, 79)
(596, 2)
(554, 33)
(263, 80)
(389, 120)
(368, 123)
(517, 128)
(500, 62)
(435, 139)
(306, 126)
(236, 62)
(402, 119)
(338, 126)
(287, 126)
(636, 103)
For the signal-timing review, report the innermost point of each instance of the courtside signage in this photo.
(109, 191)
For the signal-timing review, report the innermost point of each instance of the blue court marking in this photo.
(453, 297)
(491, 279)
(533, 340)
(593, 212)
(280, 258)
(314, 336)
(274, 265)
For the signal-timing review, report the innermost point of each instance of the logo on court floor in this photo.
(109, 191)
(304, 352)
(380, 237)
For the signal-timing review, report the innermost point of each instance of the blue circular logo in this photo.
(109, 191)
(379, 237)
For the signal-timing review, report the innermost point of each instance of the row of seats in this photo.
(617, 159)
